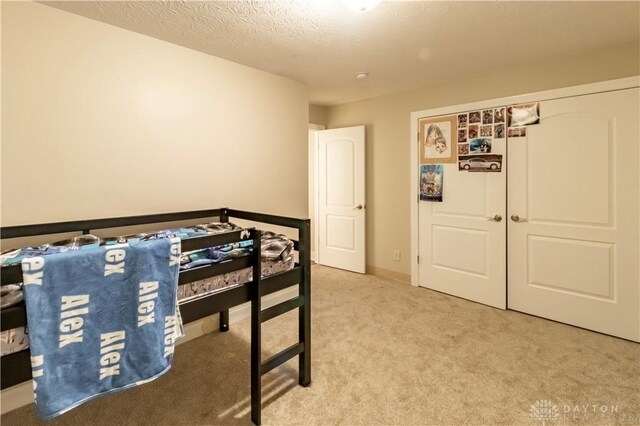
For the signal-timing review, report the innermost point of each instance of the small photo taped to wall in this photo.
(487, 116)
(473, 131)
(481, 145)
(480, 163)
(517, 132)
(475, 117)
(462, 121)
(431, 182)
(462, 135)
(486, 131)
(524, 115)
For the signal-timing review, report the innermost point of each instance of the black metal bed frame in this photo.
(16, 367)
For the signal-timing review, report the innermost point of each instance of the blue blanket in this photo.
(100, 320)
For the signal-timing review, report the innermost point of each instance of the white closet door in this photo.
(462, 248)
(574, 184)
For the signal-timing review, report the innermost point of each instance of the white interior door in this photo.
(574, 184)
(462, 247)
(341, 201)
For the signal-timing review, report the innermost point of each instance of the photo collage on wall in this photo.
(438, 139)
(476, 131)
(468, 138)
(521, 116)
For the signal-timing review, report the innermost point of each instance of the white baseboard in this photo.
(22, 394)
(386, 273)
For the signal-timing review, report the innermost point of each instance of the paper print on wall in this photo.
(486, 130)
(463, 148)
(524, 115)
(462, 121)
(438, 139)
(498, 131)
(499, 115)
(431, 182)
(480, 163)
(475, 117)
(517, 132)
(473, 131)
(480, 146)
(487, 116)
(462, 135)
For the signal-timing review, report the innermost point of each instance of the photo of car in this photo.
(479, 163)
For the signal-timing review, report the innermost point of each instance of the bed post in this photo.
(224, 320)
(224, 215)
(304, 314)
(224, 315)
(256, 333)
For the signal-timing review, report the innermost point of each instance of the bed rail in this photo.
(87, 225)
(16, 368)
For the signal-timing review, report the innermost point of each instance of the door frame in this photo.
(313, 186)
(565, 92)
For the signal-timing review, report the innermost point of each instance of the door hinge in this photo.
(418, 259)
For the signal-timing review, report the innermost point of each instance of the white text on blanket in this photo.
(147, 304)
(175, 254)
(170, 331)
(32, 270)
(71, 321)
(37, 370)
(115, 261)
(110, 344)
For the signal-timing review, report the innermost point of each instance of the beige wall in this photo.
(388, 125)
(317, 114)
(98, 121)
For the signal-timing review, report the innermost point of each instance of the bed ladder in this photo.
(302, 302)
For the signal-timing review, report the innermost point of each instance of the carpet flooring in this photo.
(387, 353)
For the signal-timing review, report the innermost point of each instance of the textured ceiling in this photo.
(402, 44)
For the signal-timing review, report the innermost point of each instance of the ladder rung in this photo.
(281, 308)
(281, 357)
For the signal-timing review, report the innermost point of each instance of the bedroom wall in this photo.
(98, 121)
(317, 114)
(388, 126)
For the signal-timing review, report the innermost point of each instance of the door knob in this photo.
(496, 218)
(516, 218)
(359, 207)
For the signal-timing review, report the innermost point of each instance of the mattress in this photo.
(276, 255)
(206, 287)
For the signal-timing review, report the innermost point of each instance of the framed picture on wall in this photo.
(438, 139)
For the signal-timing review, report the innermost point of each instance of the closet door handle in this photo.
(359, 207)
(516, 218)
(496, 218)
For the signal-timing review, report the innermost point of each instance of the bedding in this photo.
(206, 287)
(276, 256)
(14, 340)
(100, 320)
